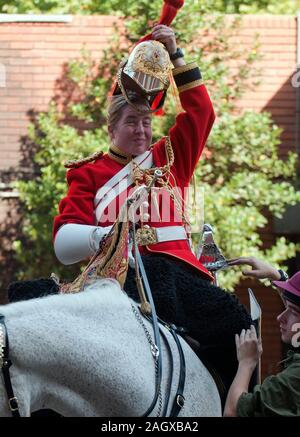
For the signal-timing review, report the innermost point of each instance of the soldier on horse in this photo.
(183, 290)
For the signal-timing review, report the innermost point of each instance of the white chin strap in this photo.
(74, 243)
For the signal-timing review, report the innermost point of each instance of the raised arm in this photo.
(192, 127)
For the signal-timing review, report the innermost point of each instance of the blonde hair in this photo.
(117, 103)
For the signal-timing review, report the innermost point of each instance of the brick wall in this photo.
(275, 94)
(278, 39)
(34, 55)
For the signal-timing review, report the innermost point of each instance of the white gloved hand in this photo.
(97, 236)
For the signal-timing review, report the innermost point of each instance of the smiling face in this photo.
(287, 320)
(132, 133)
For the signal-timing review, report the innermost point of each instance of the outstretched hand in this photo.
(260, 269)
(248, 347)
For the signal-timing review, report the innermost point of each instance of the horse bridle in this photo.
(5, 364)
(179, 399)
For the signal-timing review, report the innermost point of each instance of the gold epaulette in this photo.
(82, 161)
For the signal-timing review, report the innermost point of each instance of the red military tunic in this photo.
(188, 137)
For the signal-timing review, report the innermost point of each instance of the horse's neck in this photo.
(49, 338)
(29, 326)
(19, 336)
(87, 355)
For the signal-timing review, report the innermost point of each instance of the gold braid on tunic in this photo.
(111, 260)
(80, 162)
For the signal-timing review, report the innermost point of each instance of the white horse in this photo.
(87, 354)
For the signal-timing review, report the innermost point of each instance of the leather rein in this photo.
(179, 400)
(5, 363)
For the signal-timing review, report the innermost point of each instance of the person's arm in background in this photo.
(248, 353)
(259, 269)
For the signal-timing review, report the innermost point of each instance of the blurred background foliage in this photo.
(124, 6)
